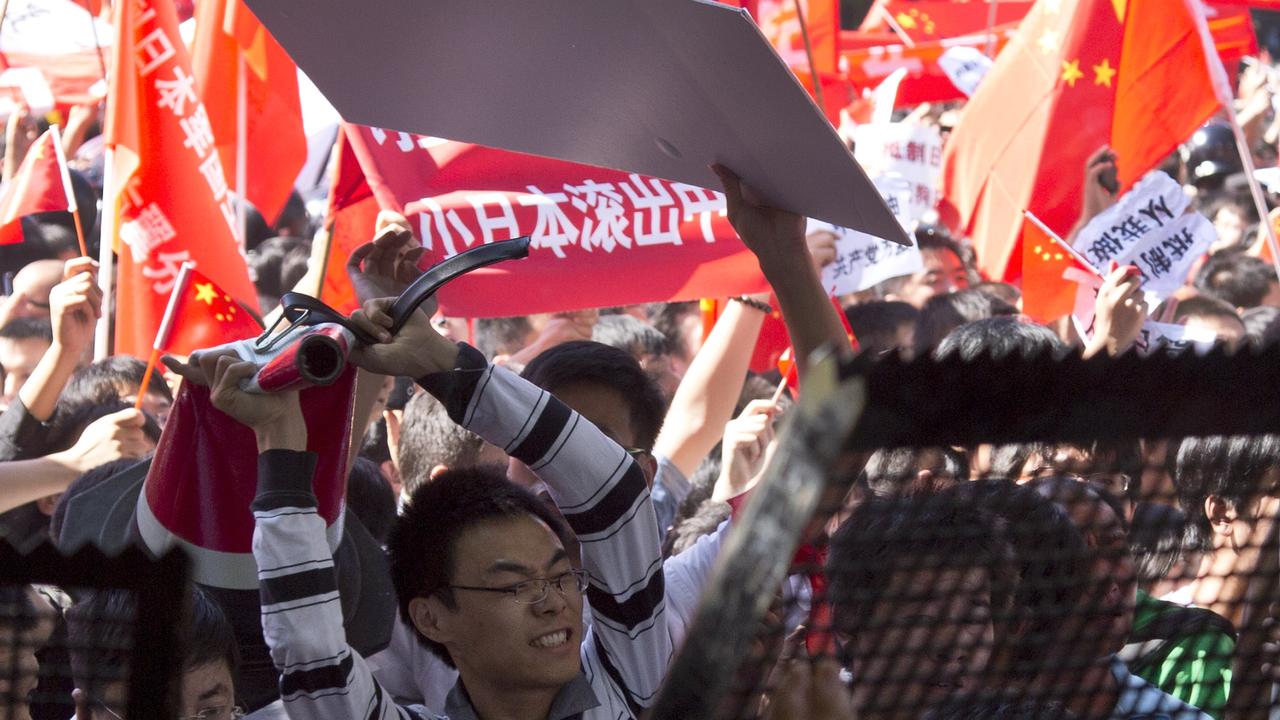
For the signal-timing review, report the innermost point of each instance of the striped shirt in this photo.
(600, 490)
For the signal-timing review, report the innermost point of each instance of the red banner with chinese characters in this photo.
(167, 201)
(600, 237)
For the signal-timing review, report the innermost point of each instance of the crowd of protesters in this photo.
(552, 492)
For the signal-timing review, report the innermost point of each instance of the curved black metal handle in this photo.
(440, 273)
(300, 309)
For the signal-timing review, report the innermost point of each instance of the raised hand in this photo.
(109, 438)
(75, 304)
(386, 266)
(743, 450)
(415, 351)
(1119, 313)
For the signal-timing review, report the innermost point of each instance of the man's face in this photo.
(943, 273)
(931, 637)
(495, 641)
(1106, 609)
(18, 359)
(1230, 225)
(207, 687)
(19, 671)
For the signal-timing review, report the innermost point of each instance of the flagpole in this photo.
(97, 44)
(162, 334)
(242, 122)
(66, 187)
(808, 51)
(1079, 256)
(897, 29)
(991, 25)
(106, 256)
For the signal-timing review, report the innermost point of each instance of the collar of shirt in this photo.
(1140, 699)
(574, 699)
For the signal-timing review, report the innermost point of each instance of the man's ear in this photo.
(437, 471)
(1221, 514)
(393, 418)
(431, 618)
(649, 464)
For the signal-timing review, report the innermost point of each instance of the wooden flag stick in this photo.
(808, 52)
(65, 172)
(897, 29)
(1080, 258)
(782, 387)
(991, 25)
(166, 325)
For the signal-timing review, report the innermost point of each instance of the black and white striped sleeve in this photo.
(602, 493)
(320, 675)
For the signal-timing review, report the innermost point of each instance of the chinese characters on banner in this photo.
(965, 67)
(170, 201)
(1150, 228)
(910, 152)
(599, 237)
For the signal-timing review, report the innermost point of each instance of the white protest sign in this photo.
(910, 152)
(965, 67)
(864, 261)
(885, 97)
(1149, 228)
(1155, 335)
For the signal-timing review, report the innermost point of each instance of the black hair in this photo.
(630, 335)
(1204, 306)
(585, 361)
(1230, 467)
(666, 318)
(704, 521)
(105, 380)
(70, 425)
(428, 438)
(999, 337)
(893, 472)
(943, 313)
(1261, 325)
(28, 328)
(370, 498)
(934, 532)
(1155, 539)
(876, 324)
(275, 266)
(1239, 280)
(997, 707)
(1066, 489)
(423, 539)
(208, 635)
(1052, 558)
(16, 609)
(502, 336)
(1002, 291)
(1008, 460)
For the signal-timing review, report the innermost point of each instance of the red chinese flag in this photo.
(1046, 296)
(166, 200)
(205, 316)
(1139, 75)
(227, 33)
(39, 186)
(927, 20)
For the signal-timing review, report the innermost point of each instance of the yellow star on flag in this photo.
(906, 21)
(1049, 41)
(1071, 72)
(1103, 72)
(206, 293)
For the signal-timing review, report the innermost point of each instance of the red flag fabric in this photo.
(205, 316)
(1138, 75)
(930, 20)
(175, 207)
(872, 57)
(275, 145)
(38, 186)
(1046, 295)
(600, 237)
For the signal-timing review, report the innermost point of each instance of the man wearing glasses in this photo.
(479, 564)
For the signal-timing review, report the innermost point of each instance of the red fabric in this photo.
(873, 57)
(928, 20)
(773, 341)
(37, 187)
(205, 316)
(1076, 77)
(175, 206)
(276, 147)
(449, 191)
(1045, 295)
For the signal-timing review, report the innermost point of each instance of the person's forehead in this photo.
(934, 578)
(523, 540)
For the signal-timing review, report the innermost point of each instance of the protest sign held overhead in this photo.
(640, 238)
(655, 85)
(1149, 228)
(1157, 335)
(864, 261)
(965, 67)
(910, 153)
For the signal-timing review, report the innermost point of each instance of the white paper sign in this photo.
(864, 261)
(885, 97)
(965, 67)
(1150, 228)
(1155, 335)
(910, 152)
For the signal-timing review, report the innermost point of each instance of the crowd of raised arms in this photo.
(551, 492)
